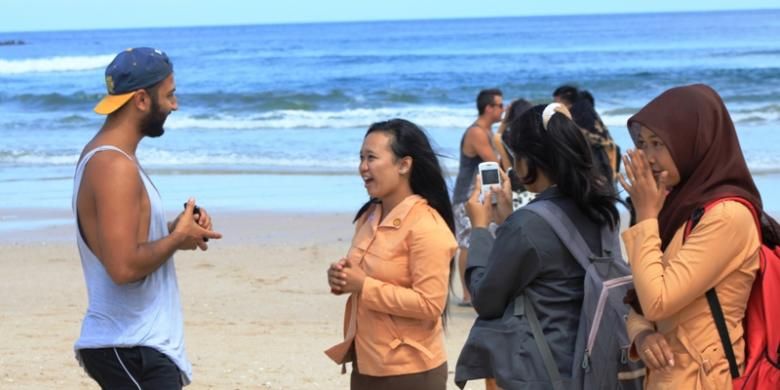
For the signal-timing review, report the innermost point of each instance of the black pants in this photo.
(435, 379)
(137, 368)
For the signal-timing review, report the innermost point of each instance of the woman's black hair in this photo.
(585, 116)
(562, 152)
(567, 93)
(426, 178)
(517, 108)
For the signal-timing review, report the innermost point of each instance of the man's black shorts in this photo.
(137, 368)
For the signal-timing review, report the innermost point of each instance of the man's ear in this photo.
(142, 100)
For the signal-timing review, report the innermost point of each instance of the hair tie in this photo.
(551, 109)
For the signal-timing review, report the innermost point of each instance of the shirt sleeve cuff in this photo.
(635, 325)
(370, 289)
(640, 230)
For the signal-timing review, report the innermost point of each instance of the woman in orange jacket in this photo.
(688, 155)
(397, 269)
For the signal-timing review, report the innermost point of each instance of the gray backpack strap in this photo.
(565, 229)
(524, 306)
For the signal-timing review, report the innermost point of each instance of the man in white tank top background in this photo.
(132, 333)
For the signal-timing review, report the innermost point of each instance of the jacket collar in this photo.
(397, 215)
(550, 193)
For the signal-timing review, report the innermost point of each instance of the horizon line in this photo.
(297, 23)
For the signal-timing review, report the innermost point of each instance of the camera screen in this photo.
(490, 176)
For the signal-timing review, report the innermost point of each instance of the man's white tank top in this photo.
(146, 312)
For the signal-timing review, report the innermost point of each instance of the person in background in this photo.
(520, 196)
(397, 270)
(566, 95)
(476, 146)
(606, 153)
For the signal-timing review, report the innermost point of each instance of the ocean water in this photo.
(271, 117)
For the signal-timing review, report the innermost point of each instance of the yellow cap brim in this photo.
(111, 103)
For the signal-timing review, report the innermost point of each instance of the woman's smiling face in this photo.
(379, 167)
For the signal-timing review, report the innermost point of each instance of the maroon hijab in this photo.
(696, 127)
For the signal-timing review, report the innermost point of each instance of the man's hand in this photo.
(200, 216)
(194, 234)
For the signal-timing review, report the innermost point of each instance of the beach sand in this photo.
(257, 309)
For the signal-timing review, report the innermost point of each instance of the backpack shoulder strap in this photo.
(524, 306)
(712, 295)
(566, 231)
(699, 212)
(564, 228)
(723, 331)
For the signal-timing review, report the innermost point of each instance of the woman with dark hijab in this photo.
(688, 156)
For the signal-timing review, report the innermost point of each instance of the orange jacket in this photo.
(397, 316)
(721, 252)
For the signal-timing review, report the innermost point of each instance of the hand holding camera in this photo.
(489, 177)
(195, 224)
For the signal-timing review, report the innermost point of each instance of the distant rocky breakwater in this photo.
(13, 42)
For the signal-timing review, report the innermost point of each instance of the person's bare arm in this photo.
(118, 191)
(503, 156)
(478, 144)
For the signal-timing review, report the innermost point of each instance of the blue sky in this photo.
(46, 15)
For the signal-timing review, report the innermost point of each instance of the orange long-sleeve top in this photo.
(397, 315)
(720, 252)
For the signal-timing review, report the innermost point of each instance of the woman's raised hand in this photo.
(647, 193)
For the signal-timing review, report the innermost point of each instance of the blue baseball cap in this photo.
(130, 71)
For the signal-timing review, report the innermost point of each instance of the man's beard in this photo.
(152, 124)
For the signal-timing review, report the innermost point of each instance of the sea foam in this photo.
(54, 64)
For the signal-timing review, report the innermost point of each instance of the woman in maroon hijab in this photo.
(688, 156)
